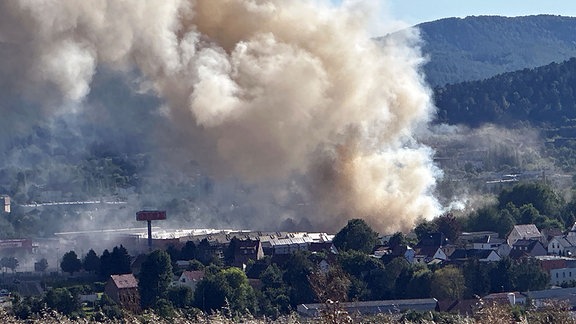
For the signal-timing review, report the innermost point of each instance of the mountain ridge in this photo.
(478, 47)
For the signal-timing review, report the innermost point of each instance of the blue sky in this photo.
(414, 12)
(417, 11)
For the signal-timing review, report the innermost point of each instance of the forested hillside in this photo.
(476, 48)
(544, 97)
(541, 96)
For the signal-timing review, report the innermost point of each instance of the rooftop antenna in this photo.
(149, 216)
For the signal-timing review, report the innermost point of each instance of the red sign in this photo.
(146, 215)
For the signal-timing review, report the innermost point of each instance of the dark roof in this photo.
(530, 244)
(470, 253)
(551, 232)
(459, 254)
(489, 239)
(322, 246)
(481, 254)
(428, 251)
(431, 239)
(517, 254)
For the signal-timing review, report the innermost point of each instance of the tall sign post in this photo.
(149, 216)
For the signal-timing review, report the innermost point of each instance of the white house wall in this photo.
(563, 275)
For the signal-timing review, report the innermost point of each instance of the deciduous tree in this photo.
(155, 278)
(449, 225)
(356, 235)
(120, 260)
(70, 263)
(229, 285)
(62, 300)
(448, 283)
(91, 262)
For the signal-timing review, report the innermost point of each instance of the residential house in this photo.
(461, 255)
(430, 248)
(463, 307)
(466, 238)
(527, 248)
(564, 245)
(123, 289)
(572, 231)
(550, 262)
(549, 233)
(562, 276)
(504, 250)
(245, 250)
(488, 242)
(524, 232)
(190, 279)
(512, 298)
(428, 254)
(387, 254)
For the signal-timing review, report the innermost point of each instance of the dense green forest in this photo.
(476, 48)
(543, 98)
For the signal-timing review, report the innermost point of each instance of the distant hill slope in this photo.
(543, 97)
(476, 48)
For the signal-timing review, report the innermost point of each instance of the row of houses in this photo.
(553, 250)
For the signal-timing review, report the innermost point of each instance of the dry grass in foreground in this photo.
(494, 314)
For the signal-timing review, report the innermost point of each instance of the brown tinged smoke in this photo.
(258, 90)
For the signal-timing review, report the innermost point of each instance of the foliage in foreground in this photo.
(556, 312)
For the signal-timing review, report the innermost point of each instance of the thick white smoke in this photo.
(260, 90)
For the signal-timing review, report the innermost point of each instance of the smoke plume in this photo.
(265, 91)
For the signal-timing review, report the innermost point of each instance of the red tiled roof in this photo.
(193, 275)
(125, 281)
